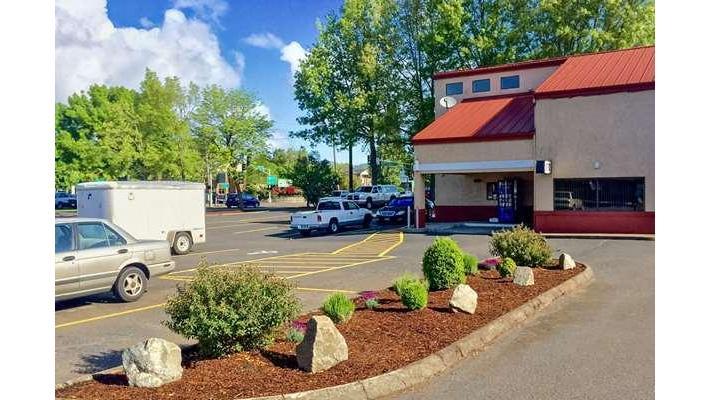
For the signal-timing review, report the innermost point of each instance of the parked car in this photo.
(340, 193)
(331, 215)
(248, 200)
(93, 255)
(370, 196)
(566, 201)
(396, 210)
(64, 200)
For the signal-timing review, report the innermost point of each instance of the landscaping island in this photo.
(379, 340)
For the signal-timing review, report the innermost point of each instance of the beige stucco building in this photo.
(564, 145)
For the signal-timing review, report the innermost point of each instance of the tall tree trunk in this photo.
(350, 167)
(373, 161)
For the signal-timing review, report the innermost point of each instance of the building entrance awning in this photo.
(475, 166)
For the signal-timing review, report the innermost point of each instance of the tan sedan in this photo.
(95, 256)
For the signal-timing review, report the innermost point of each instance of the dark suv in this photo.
(64, 200)
(396, 210)
(248, 200)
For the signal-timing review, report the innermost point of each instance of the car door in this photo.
(101, 253)
(66, 267)
(350, 210)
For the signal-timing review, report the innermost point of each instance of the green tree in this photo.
(315, 177)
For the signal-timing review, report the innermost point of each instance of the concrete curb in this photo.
(422, 370)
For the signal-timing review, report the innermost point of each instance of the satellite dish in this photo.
(447, 102)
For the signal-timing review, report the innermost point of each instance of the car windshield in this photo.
(401, 202)
(247, 196)
(365, 189)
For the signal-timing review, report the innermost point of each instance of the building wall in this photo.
(475, 151)
(529, 80)
(616, 130)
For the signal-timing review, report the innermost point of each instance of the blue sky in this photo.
(251, 44)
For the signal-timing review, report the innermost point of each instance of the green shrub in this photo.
(231, 309)
(471, 264)
(338, 307)
(524, 246)
(294, 335)
(506, 268)
(402, 281)
(371, 304)
(443, 265)
(414, 295)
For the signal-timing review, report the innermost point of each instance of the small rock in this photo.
(566, 261)
(323, 346)
(523, 276)
(464, 299)
(152, 363)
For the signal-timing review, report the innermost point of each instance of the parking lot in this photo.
(611, 319)
(90, 332)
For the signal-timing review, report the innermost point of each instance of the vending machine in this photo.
(508, 200)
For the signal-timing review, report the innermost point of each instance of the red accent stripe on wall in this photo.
(464, 213)
(594, 222)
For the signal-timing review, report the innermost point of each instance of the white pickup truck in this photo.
(331, 214)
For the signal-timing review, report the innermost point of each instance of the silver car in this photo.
(94, 256)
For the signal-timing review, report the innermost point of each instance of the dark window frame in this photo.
(447, 87)
(491, 191)
(488, 85)
(510, 78)
(600, 194)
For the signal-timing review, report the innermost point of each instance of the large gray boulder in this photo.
(566, 261)
(523, 276)
(464, 299)
(323, 346)
(152, 363)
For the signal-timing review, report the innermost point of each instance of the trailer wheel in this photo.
(182, 243)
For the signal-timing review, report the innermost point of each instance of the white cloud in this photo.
(279, 140)
(205, 9)
(90, 49)
(265, 40)
(291, 53)
(146, 23)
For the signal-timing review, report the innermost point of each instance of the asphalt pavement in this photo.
(598, 344)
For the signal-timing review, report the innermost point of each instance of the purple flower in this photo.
(491, 262)
(299, 326)
(369, 295)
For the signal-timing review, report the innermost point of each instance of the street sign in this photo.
(272, 180)
(224, 185)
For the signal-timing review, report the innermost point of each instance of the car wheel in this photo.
(367, 220)
(333, 226)
(381, 220)
(130, 284)
(305, 232)
(182, 243)
(369, 203)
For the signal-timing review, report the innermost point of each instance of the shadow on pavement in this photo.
(91, 363)
(104, 298)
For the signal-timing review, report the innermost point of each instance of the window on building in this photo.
(509, 82)
(481, 85)
(491, 191)
(599, 194)
(454, 88)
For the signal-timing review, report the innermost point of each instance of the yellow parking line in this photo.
(207, 252)
(325, 290)
(401, 238)
(354, 244)
(256, 230)
(339, 267)
(100, 317)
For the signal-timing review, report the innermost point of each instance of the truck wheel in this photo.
(182, 243)
(333, 226)
(305, 232)
(130, 284)
(367, 220)
(369, 203)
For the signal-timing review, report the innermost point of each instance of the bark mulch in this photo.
(379, 341)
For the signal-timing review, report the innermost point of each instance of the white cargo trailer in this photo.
(159, 210)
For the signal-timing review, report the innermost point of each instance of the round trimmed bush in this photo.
(524, 246)
(231, 309)
(414, 295)
(443, 265)
(402, 281)
(506, 268)
(338, 307)
(471, 264)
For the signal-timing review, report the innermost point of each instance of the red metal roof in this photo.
(495, 118)
(621, 70)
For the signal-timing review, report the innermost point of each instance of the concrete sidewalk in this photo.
(597, 344)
